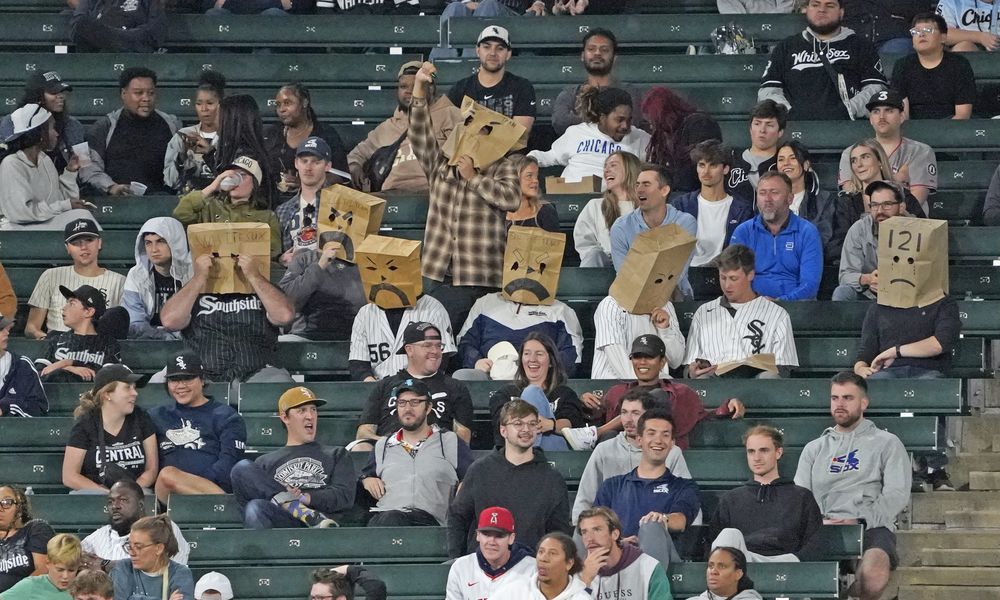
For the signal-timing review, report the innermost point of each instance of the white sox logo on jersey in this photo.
(809, 60)
(756, 335)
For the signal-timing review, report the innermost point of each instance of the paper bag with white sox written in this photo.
(346, 217)
(485, 135)
(912, 262)
(652, 268)
(531, 265)
(226, 242)
(390, 271)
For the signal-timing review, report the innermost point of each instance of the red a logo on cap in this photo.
(493, 518)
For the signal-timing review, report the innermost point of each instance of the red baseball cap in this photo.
(496, 518)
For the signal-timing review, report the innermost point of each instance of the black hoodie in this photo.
(778, 518)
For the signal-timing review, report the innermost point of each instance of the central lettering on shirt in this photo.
(303, 472)
(598, 146)
(130, 5)
(84, 356)
(737, 176)
(123, 455)
(615, 594)
(808, 60)
(210, 304)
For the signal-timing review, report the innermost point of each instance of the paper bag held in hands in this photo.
(225, 242)
(531, 265)
(761, 362)
(485, 135)
(390, 271)
(652, 268)
(912, 262)
(346, 216)
(588, 185)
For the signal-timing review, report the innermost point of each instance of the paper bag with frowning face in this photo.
(652, 268)
(225, 242)
(485, 135)
(346, 217)
(531, 265)
(912, 262)
(390, 271)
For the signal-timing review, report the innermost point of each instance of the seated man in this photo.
(769, 518)
(92, 584)
(414, 472)
(859, 473)
(497, 555)
(966, 20)
(118, 26)
(787, 248)
(338, 583)
(859, 256)
(125, 505)
(615, 327)
(200, 438)
(303, 482)
(934, 83)
(450, 404)
(162, 267)
(297, 217)
(652, 502)
(78, 354)
(21, 391)
(612, 563)
(739, 324)
(767, 126)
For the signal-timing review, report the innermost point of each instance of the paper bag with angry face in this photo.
(531, 265)
(912, 262)
(390, 271)
(226, 242)
(346, 216)
(485, 135)
(652, 269)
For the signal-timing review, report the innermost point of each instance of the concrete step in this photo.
(929, 508)
(996, 442)
(940, 592)
(984, 480)
(912, 543)
(978, 433)
(949, 576)
(972, 519)
(935, 557)
(978, 461)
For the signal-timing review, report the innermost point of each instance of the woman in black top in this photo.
(23, 540)
(541, 381)
(241, 133)
(534, 211)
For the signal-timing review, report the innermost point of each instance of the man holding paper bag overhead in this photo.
(472, 187)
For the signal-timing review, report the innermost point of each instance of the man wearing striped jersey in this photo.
(739, 323)
(377, 337)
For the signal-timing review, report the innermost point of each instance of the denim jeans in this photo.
(254, 489)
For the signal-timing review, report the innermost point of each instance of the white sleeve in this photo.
(562, 150)
(844, 171)
(183, 548)
(693, 347)
(949, 10)
(784, 343)
(672, 338)
(585, 231)
(359, 334)
(454, 589)
(676, 463)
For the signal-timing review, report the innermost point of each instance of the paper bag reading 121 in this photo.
(346, 217)
(531, 265)
(652, 268)
(484, 135)
(226, 241)
(912, 262)
(390, 271)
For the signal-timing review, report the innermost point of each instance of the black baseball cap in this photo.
(890, 98)
(648, 345)
(185, 365)
(419, 331)
(88, 296)
(413, 385)
(49, 81)
(78, 228)
(111, 373)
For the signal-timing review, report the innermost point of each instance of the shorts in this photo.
(883, 539)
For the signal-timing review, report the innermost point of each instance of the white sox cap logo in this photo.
(180, 362)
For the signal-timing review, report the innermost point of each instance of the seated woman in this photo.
(534, 211)
(34, 195)
(109, 422)
(233, 197)
(809, 202)
(558, 563)
(541, 381)
(592, 231)
(25, 539)
(49, 91)
(151, 544)
(727, 577)
(184, 166)
(606, 128)
(65, 558)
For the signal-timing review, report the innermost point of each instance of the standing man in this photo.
(613, 568)
(859, 473)
(497, 559)
(767, 125)
(934, 84)
(787, 248)
(825, 72)
(303, 482)
(859, 256)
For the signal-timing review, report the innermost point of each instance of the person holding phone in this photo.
(184, 166)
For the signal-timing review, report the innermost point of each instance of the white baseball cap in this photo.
(214, 581)
(504, 357)
(494, 32)
(27, 118)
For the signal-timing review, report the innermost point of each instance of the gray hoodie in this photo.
(744, 595)
(138, 296)
(859, 254)
(860, 474)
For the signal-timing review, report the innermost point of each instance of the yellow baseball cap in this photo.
(297, 396)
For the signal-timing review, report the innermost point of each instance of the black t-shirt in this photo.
(450, 402)
(231, 334)
(136, 149)
(16, 560)
(124, 449)
(513, 97)
(164, 287)
(547, 219)
(563, 400)
(91, 351)
(933, 93)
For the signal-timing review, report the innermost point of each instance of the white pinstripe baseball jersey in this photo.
(758, 327)
(46, 294)
(614, 331)
(372, 339)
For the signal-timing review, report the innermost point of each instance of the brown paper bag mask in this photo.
(225, 242)
(390, 271)
(912, 262)
(763, 362)
(652, 268)
(485, 135)
(346, 217)
(531, 265)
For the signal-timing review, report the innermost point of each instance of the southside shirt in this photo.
(16, 560)
(91, 351)
(450, 402)
(231, 334)
(513, 97)
(124, 449)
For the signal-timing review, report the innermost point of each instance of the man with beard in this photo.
(859, 256)
(405, 174)
(598, 53)
(787, 248)
(497, 556)
(825, 72)
(614, 569)
(125, 506)
(414, 472)
(859, 473)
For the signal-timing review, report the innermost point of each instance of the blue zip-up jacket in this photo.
(21, 391)
(632, 497)
(789, 265)
(205, 441)
(739, 211)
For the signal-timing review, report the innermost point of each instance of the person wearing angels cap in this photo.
(498, 558)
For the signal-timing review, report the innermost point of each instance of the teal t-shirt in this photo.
(39, 587)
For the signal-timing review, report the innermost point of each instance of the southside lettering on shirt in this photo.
(231, 334)
(91, 351)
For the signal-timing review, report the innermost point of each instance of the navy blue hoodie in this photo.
(205, 441)
(21, 391)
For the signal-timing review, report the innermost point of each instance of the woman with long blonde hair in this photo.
(534, 210)
(591, 234)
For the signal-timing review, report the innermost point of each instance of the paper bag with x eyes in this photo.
(390, 271)
(485, 135)
(912, 262)
(225, 242)
(531, 265)
(652, 268)
(346, 217)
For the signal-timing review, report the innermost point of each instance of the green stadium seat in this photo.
(952, 175)
(78, 513)
(826, 355)
(48, 247)
(41, 471)
(205, 511)
(782, 580)
(22, 6)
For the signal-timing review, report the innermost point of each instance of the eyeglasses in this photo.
(882, 205)
(414, 403)
(135, 548)
(518, 425)
(429, 345)
(8, 502)
(921, 31)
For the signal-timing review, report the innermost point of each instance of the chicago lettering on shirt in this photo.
(210, 304)
(598, 146)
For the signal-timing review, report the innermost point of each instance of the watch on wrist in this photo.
(899, 351)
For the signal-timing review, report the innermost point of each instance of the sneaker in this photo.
(940, 481)
(312, 518)
(580, 438)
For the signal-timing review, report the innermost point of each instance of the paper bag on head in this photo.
(652, 268)
(485, 135)
(390, 271)
(346, 217)
(531, 265)
(225, 241)
(912, 262)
